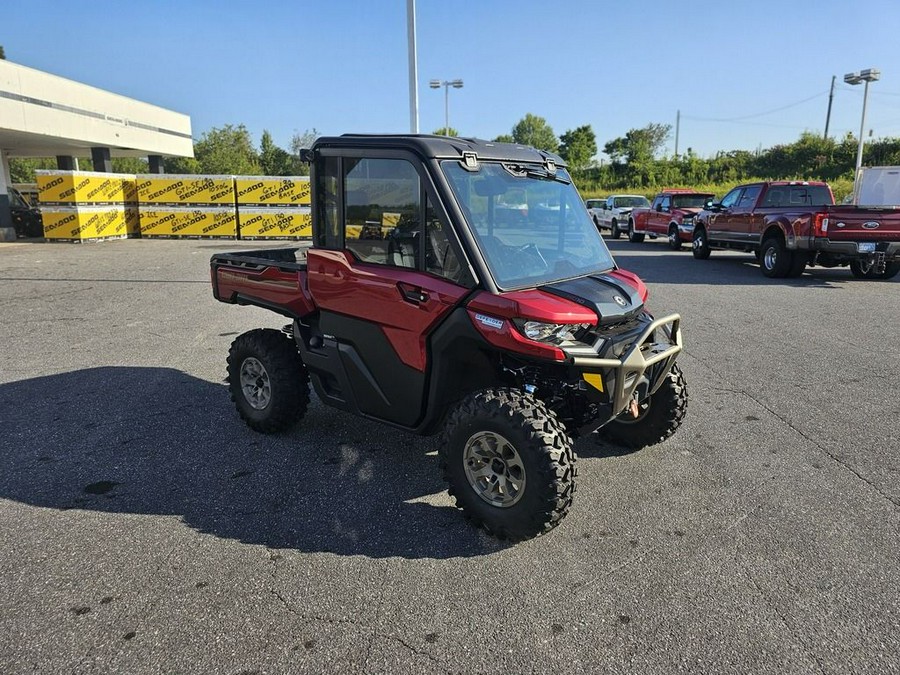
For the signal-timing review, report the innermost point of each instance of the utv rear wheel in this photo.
(775, 260)
(674, 238)
(658, 417)
(633, 236)
(614, 229)
(267, 380)
(509, 463)
(700, 244)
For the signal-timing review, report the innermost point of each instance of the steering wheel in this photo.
(533, 254)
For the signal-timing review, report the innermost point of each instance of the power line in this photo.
(759, 114)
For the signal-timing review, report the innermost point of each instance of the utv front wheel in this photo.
(509, 463)
(267, 380)
(658, 417)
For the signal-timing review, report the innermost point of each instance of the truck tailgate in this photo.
(271, 278)
(854, 223)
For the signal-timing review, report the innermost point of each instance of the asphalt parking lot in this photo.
(145, 529)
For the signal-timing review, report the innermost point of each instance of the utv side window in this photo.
(382, 207)
(440, 258)
(327, 202)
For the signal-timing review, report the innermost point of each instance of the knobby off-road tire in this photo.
(633, 236)
(861, 272)
(774, 259)
(674, 238)
(509, 463)
(267, 380)
(700, 244)
(614, 229)
(659, 416)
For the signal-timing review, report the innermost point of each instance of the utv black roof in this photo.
(442, 147)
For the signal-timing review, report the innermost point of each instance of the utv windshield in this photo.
(531, 226)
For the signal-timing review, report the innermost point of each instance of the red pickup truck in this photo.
(670, 215)
(791, 224)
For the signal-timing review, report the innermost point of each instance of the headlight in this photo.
(687, 220)
(553, 333)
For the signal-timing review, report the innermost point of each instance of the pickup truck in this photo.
(415, 306)
(613, 212)
(671, 215)
(790, 225)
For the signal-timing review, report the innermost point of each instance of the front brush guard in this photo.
(639, 358)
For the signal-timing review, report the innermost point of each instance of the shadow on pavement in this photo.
(157, 441)
(723, 268)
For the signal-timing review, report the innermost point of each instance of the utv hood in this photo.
(607, 295)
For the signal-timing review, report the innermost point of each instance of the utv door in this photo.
(386, 276)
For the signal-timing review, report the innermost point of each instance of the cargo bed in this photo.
(274, 279)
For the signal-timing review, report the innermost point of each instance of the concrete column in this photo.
(156, 164)
(7, 231)
(101, 159)
(65, 163)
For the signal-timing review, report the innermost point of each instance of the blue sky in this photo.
(339, 66)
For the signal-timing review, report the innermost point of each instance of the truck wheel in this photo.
(674, 238)
(798, 264)
(633, 236)
(615, 230)
(700, 244)
(509, 463)
(775, 260)
(267, 380)
(890, 271)
(863, 271)
(658, 418)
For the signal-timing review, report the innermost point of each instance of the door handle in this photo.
(412, 294)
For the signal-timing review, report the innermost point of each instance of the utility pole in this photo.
(828, 115)
(677, 129)
(413, 74)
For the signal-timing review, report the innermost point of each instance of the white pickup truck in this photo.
(612, 213)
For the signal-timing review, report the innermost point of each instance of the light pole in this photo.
(446, 84)
(867, 75)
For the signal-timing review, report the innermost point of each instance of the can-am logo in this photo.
(871, 225)
(620, 301)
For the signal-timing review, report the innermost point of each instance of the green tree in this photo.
(21, 169)
(130, 165)
(187, 165)
(534, 131)
(639, 145)
(2, 54)
(228, 150)
(446, 131)
(300, 142)
(578, 147)
(274, 161)
(505, 138)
